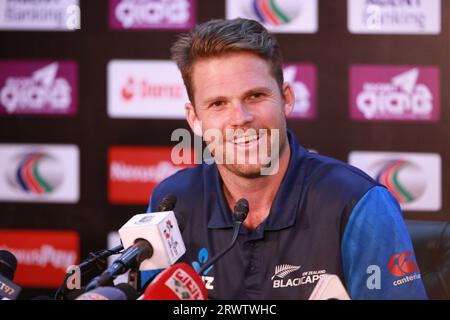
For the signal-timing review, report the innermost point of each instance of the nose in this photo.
(240, 114)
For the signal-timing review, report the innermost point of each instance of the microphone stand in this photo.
(96, 262)
(134, 278)
(241, 210)
(236, 228)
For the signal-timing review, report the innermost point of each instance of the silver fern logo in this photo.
(283, 270)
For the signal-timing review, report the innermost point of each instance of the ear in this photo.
(289, 98)
(191, 117)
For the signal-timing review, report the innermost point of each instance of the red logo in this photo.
(135, 171)
(146, 89)
(128, 90)
(42, 256)
(402, 264)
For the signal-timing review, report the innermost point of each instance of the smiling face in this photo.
(236, 93)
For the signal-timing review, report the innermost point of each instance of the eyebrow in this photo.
(246, 93)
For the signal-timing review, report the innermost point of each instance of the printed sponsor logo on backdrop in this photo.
(279, 16)
(38, 88)
(152, 14)
(413, 178)
(380, 92)
(303, 79)
(39, 173)
(54, 15)
(135, 171)
(42, 256)
(145, 89)
(394, 16)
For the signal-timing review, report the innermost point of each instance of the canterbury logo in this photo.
(283, 270)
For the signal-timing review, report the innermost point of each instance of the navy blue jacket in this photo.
(327, 217)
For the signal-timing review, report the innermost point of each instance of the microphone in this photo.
(329, 287)
(98, 259)
(8, 264)
(90, 267)
(153, 241)
(178, 282)
(241, 210)
(123, 291)
(134, 255)
(168, 204)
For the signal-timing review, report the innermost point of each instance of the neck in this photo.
(260, 191)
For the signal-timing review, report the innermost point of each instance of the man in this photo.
(309, 215)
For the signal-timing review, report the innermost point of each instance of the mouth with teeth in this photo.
(245, 140)
(251, 147)
(248, 141)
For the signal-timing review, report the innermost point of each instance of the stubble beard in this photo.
(254, 171)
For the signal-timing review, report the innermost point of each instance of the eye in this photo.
(256, 95)
(216, 104)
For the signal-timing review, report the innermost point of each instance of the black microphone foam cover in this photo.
(241, 209)
(167, 203)
(8, 264)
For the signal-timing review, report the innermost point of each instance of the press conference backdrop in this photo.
(89, 99)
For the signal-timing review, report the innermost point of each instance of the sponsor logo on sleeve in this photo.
(403, 266)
